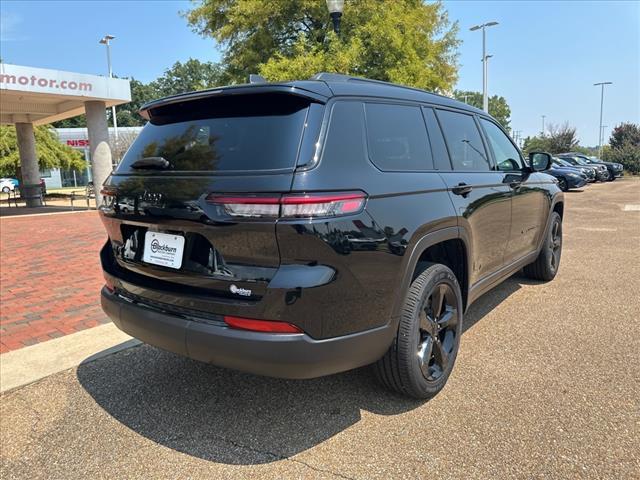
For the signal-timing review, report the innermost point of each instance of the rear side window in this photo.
(463, 139)
(224, 134)
(397, 137)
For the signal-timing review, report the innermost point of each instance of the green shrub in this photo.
(628, 155)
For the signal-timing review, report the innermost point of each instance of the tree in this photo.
(560, 139)
(404, 41)
(535, 144)
(187, 77)
(51, 153)
(141, 93)
(625, 133)
(79, 121)
(498, 106)
(625, 147)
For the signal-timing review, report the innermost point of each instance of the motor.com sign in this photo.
(58, 82)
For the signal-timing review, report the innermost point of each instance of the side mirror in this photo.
(539, 161)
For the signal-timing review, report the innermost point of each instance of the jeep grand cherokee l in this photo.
(306, 228)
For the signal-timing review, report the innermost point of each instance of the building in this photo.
(36, 96)
(78, 139)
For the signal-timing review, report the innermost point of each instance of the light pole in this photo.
(485, 97)
(543, 117)
(335, 12)
(106, 40)
(602, 84)
(485, 103)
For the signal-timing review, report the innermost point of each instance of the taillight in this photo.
(247, 206)
(267, 326)
(308, 205)
(329, 205)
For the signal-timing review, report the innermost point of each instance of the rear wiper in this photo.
(151, 163)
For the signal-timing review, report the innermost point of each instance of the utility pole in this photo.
(601, 84)
(543, 117)
(106, 40)
(485, 94)
(604, 127)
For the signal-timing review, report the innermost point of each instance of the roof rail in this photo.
(331, 77)
(339, 77)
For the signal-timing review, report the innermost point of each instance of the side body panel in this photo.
(371, 260)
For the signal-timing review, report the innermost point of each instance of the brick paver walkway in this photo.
(50, 277)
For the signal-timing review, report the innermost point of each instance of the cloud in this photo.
(10, 28)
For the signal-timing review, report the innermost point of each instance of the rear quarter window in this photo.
(397, 137)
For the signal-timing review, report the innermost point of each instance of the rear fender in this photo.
(412, 258)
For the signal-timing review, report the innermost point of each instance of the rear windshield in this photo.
(224, 134)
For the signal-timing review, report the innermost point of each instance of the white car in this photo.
(7, 185)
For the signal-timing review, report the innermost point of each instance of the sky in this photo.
(546, 54)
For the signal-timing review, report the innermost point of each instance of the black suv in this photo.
(306, 228)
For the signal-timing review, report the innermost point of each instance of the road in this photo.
(547, 385)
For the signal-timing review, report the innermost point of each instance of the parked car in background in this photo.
(568, 177)
(616, 170)
(588, 171)
(602, 172)
(325, 225)
(7, 185)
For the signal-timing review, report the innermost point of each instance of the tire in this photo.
(546, 265)
(605, 176)
(612, 177)
(422, 355)
(562, 184)
(6, 189)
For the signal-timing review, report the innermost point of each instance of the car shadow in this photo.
(236, 418)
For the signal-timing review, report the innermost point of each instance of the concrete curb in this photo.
(24, 366)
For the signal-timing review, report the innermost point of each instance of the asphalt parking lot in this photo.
(547, 385)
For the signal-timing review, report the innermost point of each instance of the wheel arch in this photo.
(447, 246)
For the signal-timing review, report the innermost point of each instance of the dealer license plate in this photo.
(163, 249)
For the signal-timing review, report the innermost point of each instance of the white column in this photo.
(28, 161)
(99, 144)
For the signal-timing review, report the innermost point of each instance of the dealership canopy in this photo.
(34, 96)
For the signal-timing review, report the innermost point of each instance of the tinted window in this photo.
(397, 137)
(239, 133)
(464, 141)
(438, 147)
(506, 154)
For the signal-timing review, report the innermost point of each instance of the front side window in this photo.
(506, 154)
(397, 137)
(463, 139)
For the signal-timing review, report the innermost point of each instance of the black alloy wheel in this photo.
(421, 357)
(555, 245)
(545, 267)
(438, 332)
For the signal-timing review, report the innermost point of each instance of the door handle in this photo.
(462, 189)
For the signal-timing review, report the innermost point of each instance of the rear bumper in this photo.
(276, 355)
